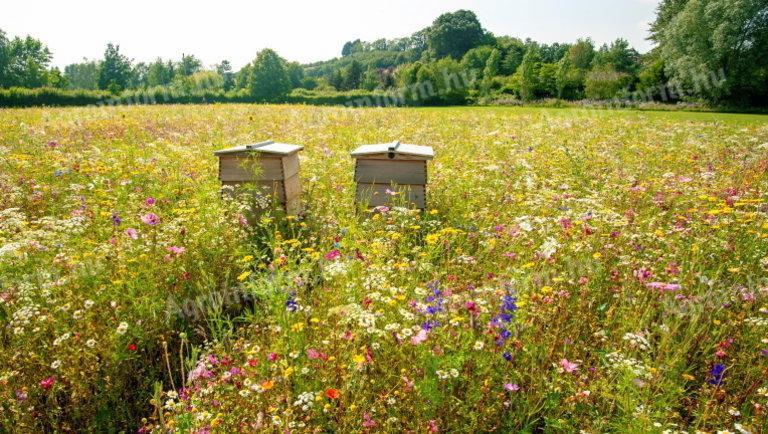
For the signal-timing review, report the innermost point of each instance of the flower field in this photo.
(604, 271)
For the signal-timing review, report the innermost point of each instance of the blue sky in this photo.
(299, 30)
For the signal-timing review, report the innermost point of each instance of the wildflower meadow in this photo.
(574, 270)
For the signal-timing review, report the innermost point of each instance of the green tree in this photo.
(513, 50)
(619, 56)
(295, 74)
(352, 76)
(115, 70)
(580, 54)
(26, 62)
(716, 49)
(453, 34)
(224, 69)
(160, 73)
(528, 73)
(371, 79)
(84, 75)
(189, 65)
(476, 59)
(269, 80)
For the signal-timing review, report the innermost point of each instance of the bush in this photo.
(606, 84)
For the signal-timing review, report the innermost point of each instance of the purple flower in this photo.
(149, 201)
(116, 220)
(716, 374)
(131, 233)
(511, 387)
(507, 356)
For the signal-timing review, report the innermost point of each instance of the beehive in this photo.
(271, 166)
(381, 167)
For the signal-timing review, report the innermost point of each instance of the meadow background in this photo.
(575, 270)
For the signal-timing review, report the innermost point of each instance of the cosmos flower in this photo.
(150, 219)
(568, 366)
(132, 233)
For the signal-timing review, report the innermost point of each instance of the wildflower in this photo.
(56, 364)
(420, 337)
(368, 422)
(89, 304)
(150, 219)
(273, 357)
(661, 286)
(511, 387)
(48, 382)
(290, 304)
(568, 366)
(91, 343)
(116, 220)
(331, 393)
(131, 347)
(149, 201)
(479, 345)
(507, 356)
(716, 374)
(122, 328)
(244, 275)
(332, 255)
(131, 233)
(176, 250)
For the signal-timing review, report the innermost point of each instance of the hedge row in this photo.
(21, 97)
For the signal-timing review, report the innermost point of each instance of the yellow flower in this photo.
(244, 275)
(358, 358)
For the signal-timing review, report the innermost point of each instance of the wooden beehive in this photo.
(271, 167)
(396, 167)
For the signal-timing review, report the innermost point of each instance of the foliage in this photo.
(716, 48)
(114, 70)
(268, 79)
(453, 34)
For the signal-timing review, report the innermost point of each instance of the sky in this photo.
(303, 31)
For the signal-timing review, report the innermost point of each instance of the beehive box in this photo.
(271, 166)
(380, 167)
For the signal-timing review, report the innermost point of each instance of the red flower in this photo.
(332, 393)
(132, 347)
(48, 382)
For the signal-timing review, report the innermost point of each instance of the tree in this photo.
(606, 84)
(453, 34)
(371, 79)
(716, 49)
(513, 50)
(4, 57)
(580, 54)
(269, 79)
(225, 71)
(84, 75)
(295, 74)
(189, 65)
(491, 70)
(529, 73)
(115, 70)
(160, 73)
(619, 56)
(26, 62)
(476, 59)
(139, 74)
(352, 76)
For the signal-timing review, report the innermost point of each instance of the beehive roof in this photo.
(266, 147)
(425, 152)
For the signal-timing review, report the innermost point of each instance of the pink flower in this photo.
(390, 192)
(176, 250)
(568, 366)
(150, 218)
(149, 201)
(420, 337)
(273, 356)
(53, 144)
(662, 286)
(433, 427)
(511, 387)
(132, 234)
(367, 421)
(332, 255)
(313, 354)
(48, 382)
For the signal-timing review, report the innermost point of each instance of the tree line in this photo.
(711, 51)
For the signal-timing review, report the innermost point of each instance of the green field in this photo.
(574, 269)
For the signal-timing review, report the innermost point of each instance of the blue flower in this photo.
(717, 374)
(507, 356)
